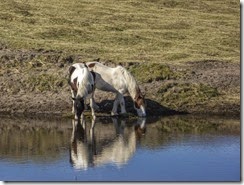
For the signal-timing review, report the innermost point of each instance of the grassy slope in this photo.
(151, 31)
(160, 31)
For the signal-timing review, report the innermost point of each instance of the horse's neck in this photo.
(132, 86)
(83, 80)
(133, 90)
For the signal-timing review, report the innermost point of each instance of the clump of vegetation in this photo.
(45, 82)
(177, 95)
(147, 72)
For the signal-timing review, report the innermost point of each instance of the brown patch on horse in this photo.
(91, 65)
(139, 131)
(139, 99)
(74, 85)
(139, 102)
(71, 70)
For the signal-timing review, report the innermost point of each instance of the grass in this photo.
(143, 31)
(147, 73)
(45, 36)
(177, 95)
(45, 82)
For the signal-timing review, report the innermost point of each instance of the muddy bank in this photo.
(35, 82)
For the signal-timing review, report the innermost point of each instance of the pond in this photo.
(170, 148)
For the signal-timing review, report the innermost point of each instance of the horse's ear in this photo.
(97, 60)
(91, 65)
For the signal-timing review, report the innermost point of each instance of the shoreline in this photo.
(35, 82)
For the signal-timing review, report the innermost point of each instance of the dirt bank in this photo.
(35, 81)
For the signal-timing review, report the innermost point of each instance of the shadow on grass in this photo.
(153, 108)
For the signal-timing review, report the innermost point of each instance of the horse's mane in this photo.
(132, 85)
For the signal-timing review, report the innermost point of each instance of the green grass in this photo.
(147, 73)
(177, 95)
(45, 82)
(125, 31)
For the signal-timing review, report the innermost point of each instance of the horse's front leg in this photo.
(83, 121)
(92, 129)
(73, 94)
(92, 105)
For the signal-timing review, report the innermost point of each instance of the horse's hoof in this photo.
(114, 114)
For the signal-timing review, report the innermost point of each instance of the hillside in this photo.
(185, 54)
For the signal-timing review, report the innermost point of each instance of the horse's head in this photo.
(140, 127)
(140, 104)
(79, 106)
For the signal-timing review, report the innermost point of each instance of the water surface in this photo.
(174, 148)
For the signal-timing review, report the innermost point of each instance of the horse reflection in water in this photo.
(117, 148)
(81, 145)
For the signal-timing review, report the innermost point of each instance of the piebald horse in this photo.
(115, 145)
(81, 82)
(119, 81)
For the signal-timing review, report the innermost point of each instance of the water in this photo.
(175, 148)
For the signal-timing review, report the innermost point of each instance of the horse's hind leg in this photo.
(122, 103)
(115, 106)
(95, 106)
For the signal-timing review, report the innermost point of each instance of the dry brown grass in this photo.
(121, 31)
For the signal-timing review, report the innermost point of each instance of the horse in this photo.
(116, 143)
(81, 82)
(80, 152)
(119, 81)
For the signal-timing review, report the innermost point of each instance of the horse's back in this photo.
(108, 78)
(99, 67)
(81, 77)
(79, 65)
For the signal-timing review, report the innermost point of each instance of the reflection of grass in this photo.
(183, 126)
(150, 31)
(173, 128)
(40, 141)
(199, 125)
